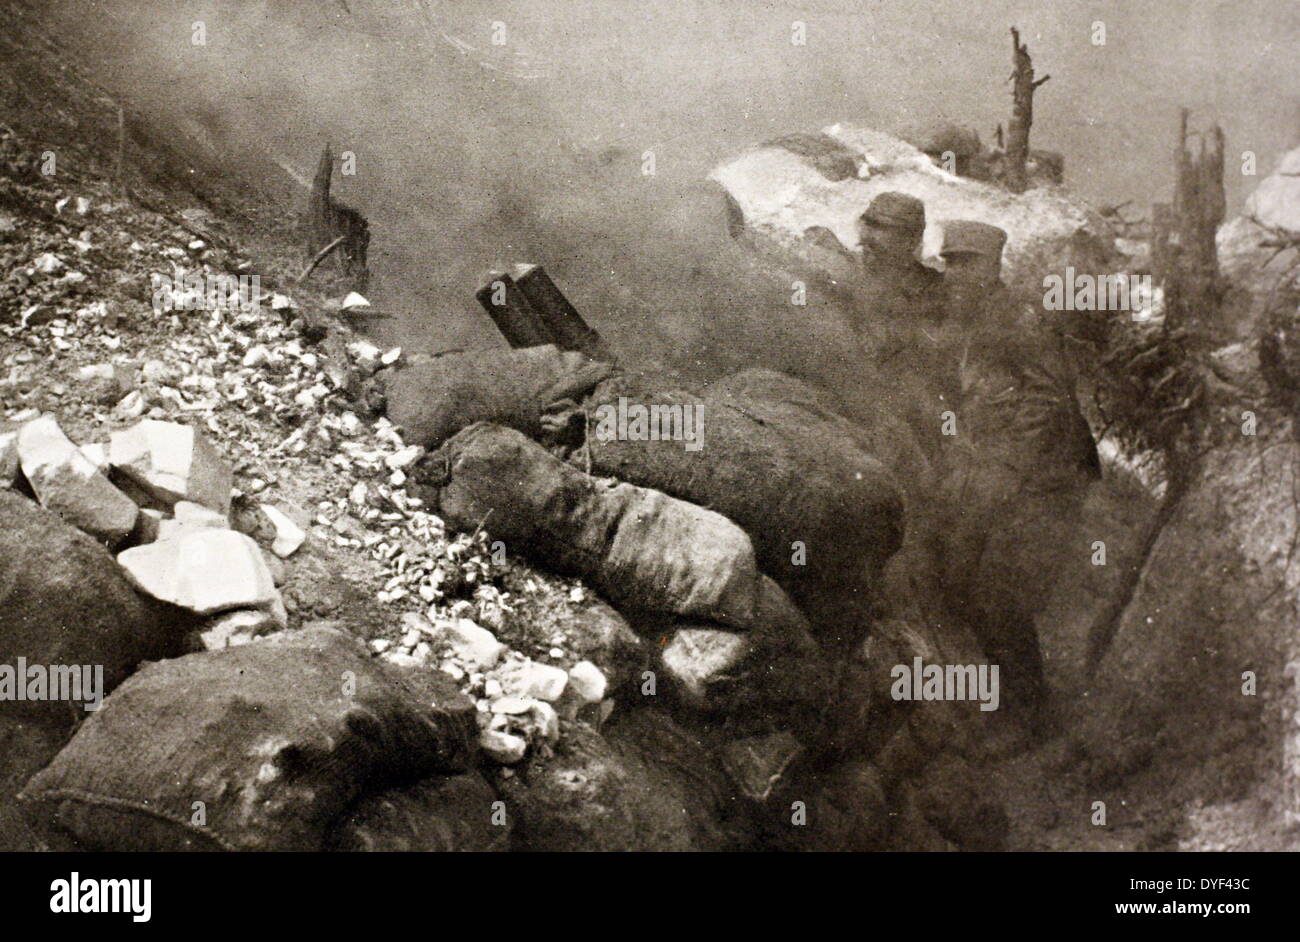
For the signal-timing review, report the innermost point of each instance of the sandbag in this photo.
(65, 601)
(439, 815)
(257, 747)
(432, 399)
(638, 547)
(643, 783)
(774, 458)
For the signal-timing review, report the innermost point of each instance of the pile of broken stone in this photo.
(237, 434)
(160, 494)
(162, 490)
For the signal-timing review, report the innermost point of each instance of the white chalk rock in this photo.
(97, 452)
(531, 679)
(502, 747)
(232, 629)
(206, 571)
(587, 681)
(173, 462)
(472, 643)
(68, 483)
(1276, 201)
(288, 535)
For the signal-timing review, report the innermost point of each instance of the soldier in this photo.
(897, 288)
(1013, 376)
(900, 304)
(1019, 461)
(972, 256)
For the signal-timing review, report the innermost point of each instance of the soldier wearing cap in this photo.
(900, 304)
(1018, 465)
(897, 286)
(972, 255)
(1015, 374)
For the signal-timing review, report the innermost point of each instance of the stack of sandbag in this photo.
(433, 398)
(257, 747)
(638, 547)
(775, 458)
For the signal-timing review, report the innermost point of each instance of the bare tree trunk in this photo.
(329, 219)
(1022, 114)
(320, 228)
(1184, 254)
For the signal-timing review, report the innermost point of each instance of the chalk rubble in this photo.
(533, 680)
(471, 643)
(502, 747)
(206, 571)
(68, 483)
(173, 462)
(587, 681)
(288, 535)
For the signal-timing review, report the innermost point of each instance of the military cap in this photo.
(967, 237)
(896, 211)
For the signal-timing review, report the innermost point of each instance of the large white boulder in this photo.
(204, 570)
(1276, 201)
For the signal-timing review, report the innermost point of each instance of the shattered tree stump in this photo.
(1022, 114)
(335, 226)
(1184, 255)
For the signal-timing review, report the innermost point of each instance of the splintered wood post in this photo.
(121, 143)
(320, 229)
(1187, 263)
(510, 310)
(560, 317)
(1022, 114)
(320, 257)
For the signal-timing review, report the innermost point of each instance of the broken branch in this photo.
(320, 257)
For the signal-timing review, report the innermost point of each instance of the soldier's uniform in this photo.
(1013, 381)
(898, 288)
(1015, 469)
(900, 306)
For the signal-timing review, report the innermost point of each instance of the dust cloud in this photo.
(471, 154)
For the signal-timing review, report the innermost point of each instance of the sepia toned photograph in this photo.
(738, 426)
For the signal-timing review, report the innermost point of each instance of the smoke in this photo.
(471, 153)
